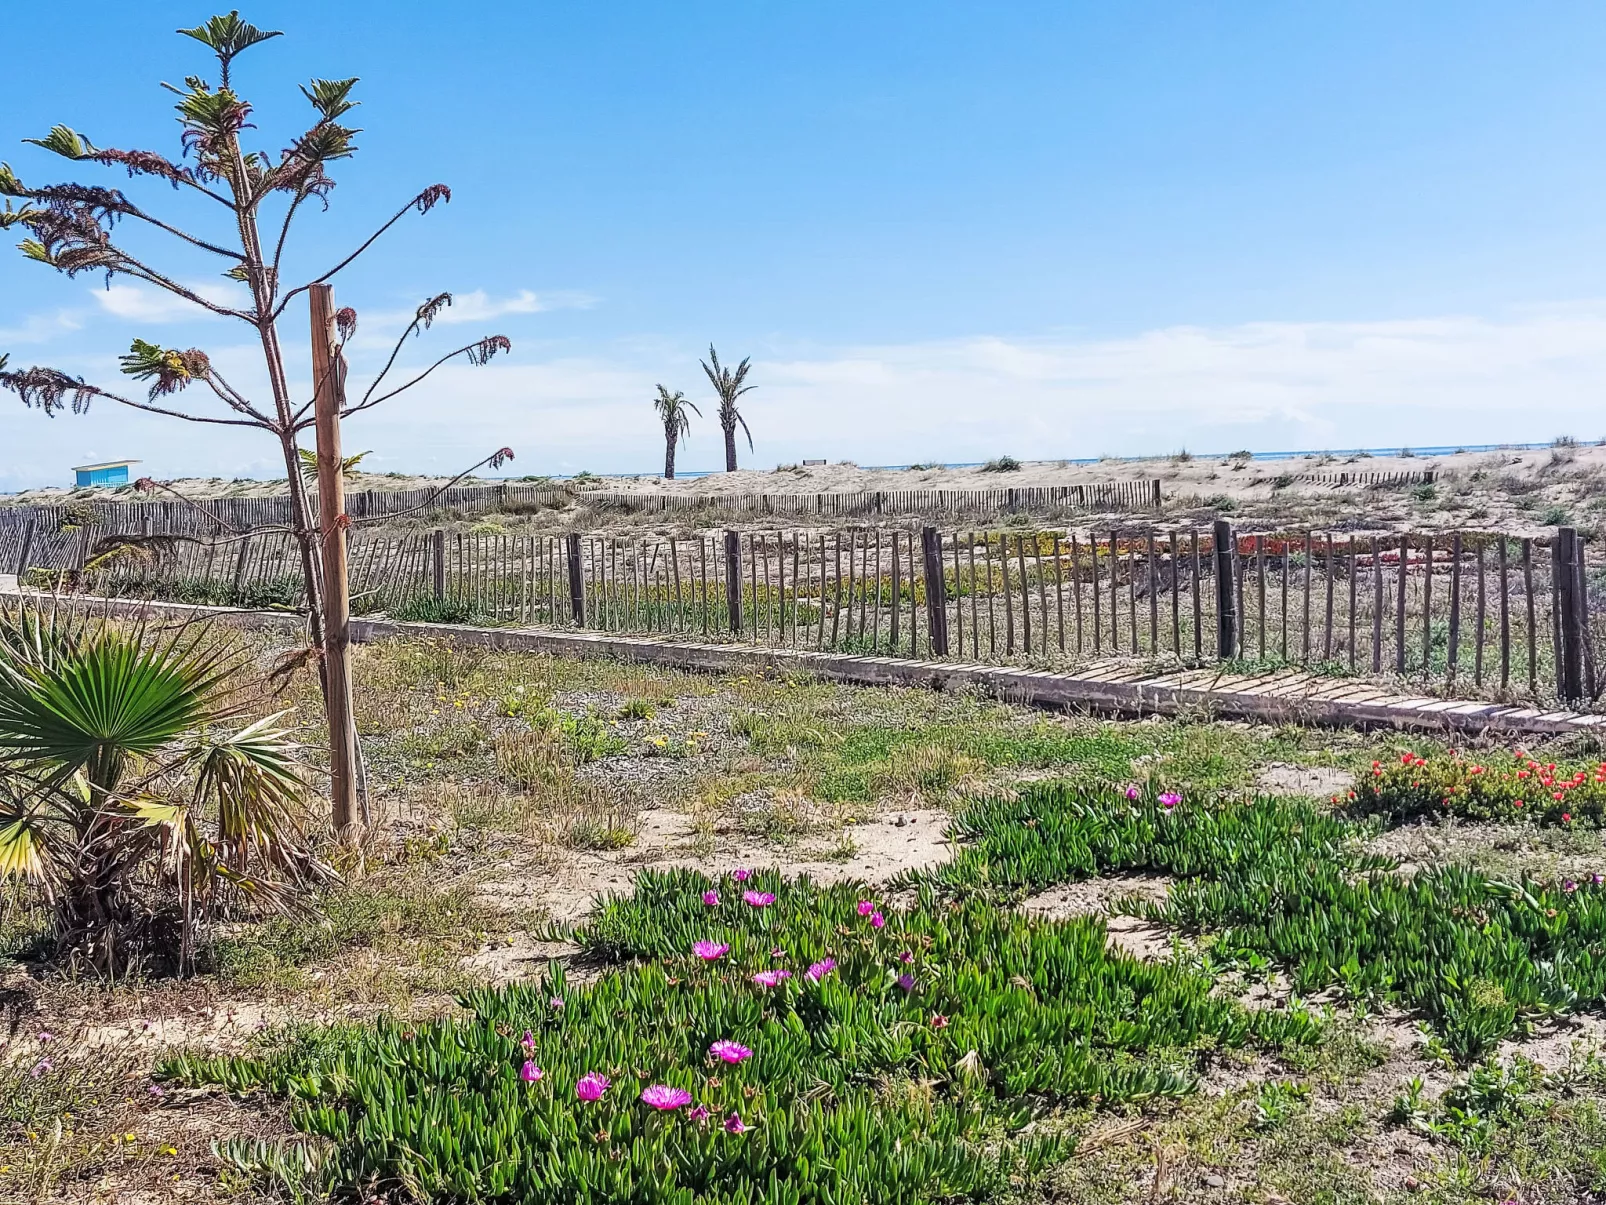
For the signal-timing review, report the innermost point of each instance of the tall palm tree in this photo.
(127, 795)
(672, 409)
(728, 385)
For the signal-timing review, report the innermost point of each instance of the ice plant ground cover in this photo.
(1512, 787)
(857, 1089)
(1272, 877)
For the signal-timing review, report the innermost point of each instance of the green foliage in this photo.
(1001, 464)
(859, 1088)
(1504, 787)
(426, 608)
(1491, 1097)
(1277, 878)
(1277, 1102)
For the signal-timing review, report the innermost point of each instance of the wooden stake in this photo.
(328, 373)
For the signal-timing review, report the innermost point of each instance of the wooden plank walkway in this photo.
(1111, 687)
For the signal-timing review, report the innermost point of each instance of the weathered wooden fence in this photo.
(1480, 611)
(214, 515)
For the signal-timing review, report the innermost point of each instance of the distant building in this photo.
(113, 472)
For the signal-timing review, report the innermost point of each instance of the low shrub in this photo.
(426, 608)
(1504, 787)
(1001, 464)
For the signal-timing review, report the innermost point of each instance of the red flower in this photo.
(1567, 817)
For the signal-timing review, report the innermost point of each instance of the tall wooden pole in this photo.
(328, 380)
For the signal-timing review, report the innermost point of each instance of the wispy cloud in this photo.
(1457, 379)
(142, 303)
(41, 328)
(479, 305)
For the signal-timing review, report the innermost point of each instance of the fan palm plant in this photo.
(728, 385)
(672, 409)
(132, 792)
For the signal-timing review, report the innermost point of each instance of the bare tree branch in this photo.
(423, 202)
(147, 485)
(477, 353)
(495, 460)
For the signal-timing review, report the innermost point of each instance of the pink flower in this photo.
(734, 1124)
(907, 957)
(1597, 879)
(819, 970)
(528, 1042)
(700, 1113)
(42, 1067)
(741, 876)
(938, 1021)
(727, 1051)
(662, 1096)
(557, 1004)
(1569, 886)
(907, 982)
(758, 899)
(591, 1086)
(878, 921)
(771, 978)
(711, 898)
(1131, 792)
(866, 907)
(710, 951)
(530, 1073)
(1170, 800)
(777, 952)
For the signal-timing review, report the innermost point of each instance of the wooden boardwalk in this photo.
(1116, 688)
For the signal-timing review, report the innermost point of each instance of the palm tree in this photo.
(672, 409)
(126, 794)
(728, 385)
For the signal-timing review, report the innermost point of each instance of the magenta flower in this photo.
(819, 970)
(758, 899)
(700, 1113)
(711, 898)
(42, 1067)
(771, 978)
(907, 957)
(710, 951)
(528, 1042)
(734, 1125)
(907, 982)
(1569, 886)
(866, 907)
(1131, 792)
(938, 1021)
(591, 1086)
(1597, 879)
(46, 1036)
(727, 1051)
(741, 876)
(1170, 800)
(878, 921)
(530, 1073)
(557, 1004)
(662, 1096)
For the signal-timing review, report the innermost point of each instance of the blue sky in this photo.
(941, 230)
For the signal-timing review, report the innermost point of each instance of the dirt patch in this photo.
(873, 851)
(1098, 897)
(1319, 782)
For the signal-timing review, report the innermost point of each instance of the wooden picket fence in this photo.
(213, 516)
(1481, 612)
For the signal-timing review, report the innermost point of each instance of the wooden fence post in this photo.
(733, 580)
(936, 592)
(26, 551)
(1226, 548)
(577, 580)
(1570, 659)
(239, 566)
(437, 554)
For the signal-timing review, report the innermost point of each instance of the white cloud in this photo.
(479, 305)
(143, 303)
(41, 328)
(1269, 385)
